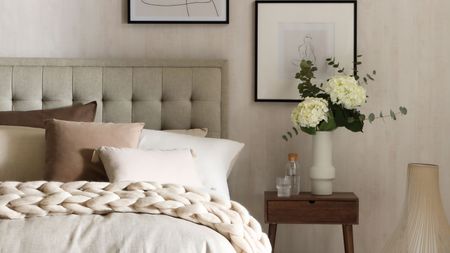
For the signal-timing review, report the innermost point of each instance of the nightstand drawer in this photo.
(312, 212)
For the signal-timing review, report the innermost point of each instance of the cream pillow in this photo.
(22, 153)
(168, 166)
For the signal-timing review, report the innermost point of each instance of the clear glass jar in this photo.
(292, 169)
(284, 186)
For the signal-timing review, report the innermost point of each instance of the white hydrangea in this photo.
(310, 112)
(345, 90)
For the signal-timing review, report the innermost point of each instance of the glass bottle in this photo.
(292, 169)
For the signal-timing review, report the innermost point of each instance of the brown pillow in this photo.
(79, 112)
(70, 145)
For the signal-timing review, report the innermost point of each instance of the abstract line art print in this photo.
(178, 11)
(290, 31)
(305, 41)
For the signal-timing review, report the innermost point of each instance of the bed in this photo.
(167, 94)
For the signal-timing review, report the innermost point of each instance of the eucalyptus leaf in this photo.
(309, 130)
(371, 117)
(304, 64)
(285, 137)
(393, 115)
(295, 130)
(339, 115)
(355, 126)
(328, 125)
(403, 110)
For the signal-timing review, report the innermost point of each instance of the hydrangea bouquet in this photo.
(335, 103)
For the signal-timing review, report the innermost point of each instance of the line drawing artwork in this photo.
(304, 41)
(178, 3)
(306, 51)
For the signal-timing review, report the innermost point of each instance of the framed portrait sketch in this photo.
(288, 32)
(178, 11)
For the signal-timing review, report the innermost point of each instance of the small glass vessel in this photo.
(284, 186)
(292, 170)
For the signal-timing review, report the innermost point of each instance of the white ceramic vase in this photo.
(322, 172)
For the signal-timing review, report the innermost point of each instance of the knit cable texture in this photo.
(41, 198)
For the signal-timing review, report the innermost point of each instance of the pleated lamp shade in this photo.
(424, 227)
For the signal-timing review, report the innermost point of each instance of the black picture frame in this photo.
(226, 21)
(259, 2)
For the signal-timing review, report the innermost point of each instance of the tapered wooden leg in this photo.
(272, 235)
(348, 238)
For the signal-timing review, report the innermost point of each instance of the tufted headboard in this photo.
(167, 94)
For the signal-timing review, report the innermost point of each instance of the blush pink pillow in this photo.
(161, 166)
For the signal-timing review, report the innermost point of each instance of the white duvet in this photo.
(116, 232)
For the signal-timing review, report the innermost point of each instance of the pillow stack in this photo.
(123, 151)
(22, 142)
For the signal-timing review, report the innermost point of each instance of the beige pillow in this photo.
(22, 153)
(199, 132)
(70, 145)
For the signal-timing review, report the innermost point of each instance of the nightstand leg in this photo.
(348, 238)
(272, 235)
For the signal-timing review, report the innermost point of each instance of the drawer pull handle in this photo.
(312, 201)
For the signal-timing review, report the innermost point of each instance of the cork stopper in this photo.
(292, 156)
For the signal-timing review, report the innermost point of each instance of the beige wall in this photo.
(407, 41)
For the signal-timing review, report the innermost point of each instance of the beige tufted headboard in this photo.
(167, 94)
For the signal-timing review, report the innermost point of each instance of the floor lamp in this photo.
(424, 227)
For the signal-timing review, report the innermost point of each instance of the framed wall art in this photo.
(178, 11)
(290, 31)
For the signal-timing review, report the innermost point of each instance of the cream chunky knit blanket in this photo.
(40, 198)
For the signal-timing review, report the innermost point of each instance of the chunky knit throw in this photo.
(40, 198)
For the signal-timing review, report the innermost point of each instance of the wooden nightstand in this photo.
(305, 208)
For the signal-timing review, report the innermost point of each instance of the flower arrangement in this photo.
(336, 103)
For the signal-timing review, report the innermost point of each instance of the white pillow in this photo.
(22, 153)
(199, 132)
(214, 157)
(168, 166)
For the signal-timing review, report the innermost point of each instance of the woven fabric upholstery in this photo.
(163, 94)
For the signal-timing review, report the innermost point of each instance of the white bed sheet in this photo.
(117, 232)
